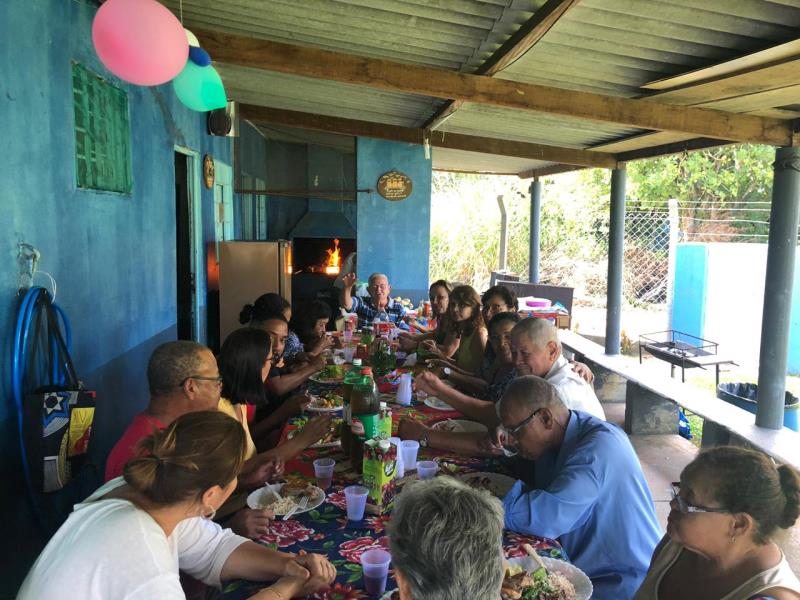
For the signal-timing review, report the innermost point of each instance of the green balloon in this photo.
(200, 88)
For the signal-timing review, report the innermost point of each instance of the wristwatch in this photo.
(423, 441)
(447, 371)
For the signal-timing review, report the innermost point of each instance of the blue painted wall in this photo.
(689, 295)
(112, 255)
(394, 237)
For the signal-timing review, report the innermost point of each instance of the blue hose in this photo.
(35, 299)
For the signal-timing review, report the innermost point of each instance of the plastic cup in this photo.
(375, 563)
(426, 469)
(356, 497)
(349, 352)
(323, 471)
(409, 449)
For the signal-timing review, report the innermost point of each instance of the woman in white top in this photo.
(728, 504)
(129, 538)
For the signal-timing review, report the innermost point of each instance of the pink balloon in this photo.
(139, 41)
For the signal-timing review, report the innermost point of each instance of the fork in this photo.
(302, 505)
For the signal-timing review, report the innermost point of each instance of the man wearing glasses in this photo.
(379, 302)
(589, 490)
(183, 377)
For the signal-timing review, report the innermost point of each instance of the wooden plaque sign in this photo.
(394, 186)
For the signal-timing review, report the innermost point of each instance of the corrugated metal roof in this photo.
(305, 94)
(616, 46)
(445, 159)
(604, 46)
(452, 34)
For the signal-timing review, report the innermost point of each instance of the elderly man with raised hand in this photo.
(538, 351)
(446, 541)
(379, 301)
(589, 489)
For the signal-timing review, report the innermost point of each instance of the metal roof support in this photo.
(616, 241)
(783, 223)
(536, 229)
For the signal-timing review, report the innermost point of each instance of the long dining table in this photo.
(326, 529)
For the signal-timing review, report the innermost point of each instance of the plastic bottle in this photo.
(365, 409)
(350, 378)
(404, 390)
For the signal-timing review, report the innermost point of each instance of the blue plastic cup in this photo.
(356, 497)
(426, 469)
(375, 563)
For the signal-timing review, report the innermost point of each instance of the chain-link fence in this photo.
(585, 267)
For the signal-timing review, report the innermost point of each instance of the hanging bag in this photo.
(57, 417)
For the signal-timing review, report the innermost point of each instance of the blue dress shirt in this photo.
(591, 494)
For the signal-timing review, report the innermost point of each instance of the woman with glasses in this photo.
(726, 509)
(128, 539)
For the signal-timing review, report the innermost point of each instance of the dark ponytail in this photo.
(790, 484)
(196, 452)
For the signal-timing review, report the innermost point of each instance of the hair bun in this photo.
(790, 484)
(246, 315)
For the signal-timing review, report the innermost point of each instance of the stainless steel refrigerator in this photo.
(247, 270)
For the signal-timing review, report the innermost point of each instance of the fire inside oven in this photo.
(321, 255)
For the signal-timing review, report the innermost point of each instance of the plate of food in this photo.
(526, 580)
(331, 439)
(459, 425)
(330, 375)
(496, 484)
(327, 402)
(434, 402)
(280, 498)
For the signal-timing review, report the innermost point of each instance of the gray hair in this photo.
(376, 276)
(171, 363)
(538, 331)
(446, 539)
(532, 393)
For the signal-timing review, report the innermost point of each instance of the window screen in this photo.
(102, 133)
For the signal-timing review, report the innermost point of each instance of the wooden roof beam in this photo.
(440, 83)
(438, 139)
(514, 47)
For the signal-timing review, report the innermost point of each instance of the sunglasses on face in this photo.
(514, 430)
(685, 508)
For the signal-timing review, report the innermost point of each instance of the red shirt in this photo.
(125, 449)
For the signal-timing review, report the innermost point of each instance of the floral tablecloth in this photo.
(326, 529)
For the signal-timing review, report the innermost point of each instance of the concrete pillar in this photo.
(616, 241)
(536, 229)
(783, 222)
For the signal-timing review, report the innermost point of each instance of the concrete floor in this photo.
(663, 457)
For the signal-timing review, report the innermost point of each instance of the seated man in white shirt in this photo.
(538, 352)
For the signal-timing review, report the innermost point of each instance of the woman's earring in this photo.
(213, 513)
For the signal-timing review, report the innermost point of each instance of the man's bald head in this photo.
(530, 393)
(538, 331)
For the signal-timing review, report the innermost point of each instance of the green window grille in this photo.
(102, 133)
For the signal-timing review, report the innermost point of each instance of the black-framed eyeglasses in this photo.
(517, 428)
(685, 508)
(217, 379)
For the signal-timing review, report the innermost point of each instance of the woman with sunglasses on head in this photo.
(244, 364)
(466, 337)
(129, 538)
(726, 509)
